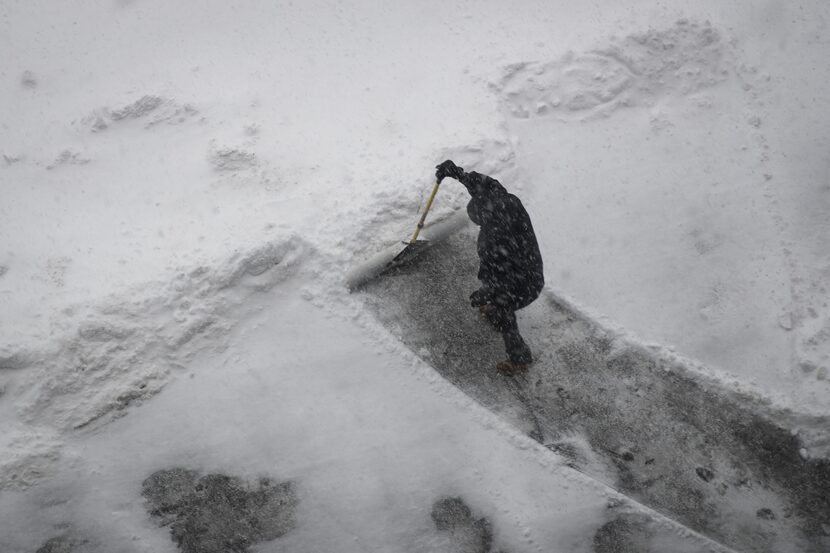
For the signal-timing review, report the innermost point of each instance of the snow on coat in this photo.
(510, 262)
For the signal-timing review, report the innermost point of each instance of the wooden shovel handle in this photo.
(426, 210)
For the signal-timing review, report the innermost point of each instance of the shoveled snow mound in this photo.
(118, 354)
(635, 71)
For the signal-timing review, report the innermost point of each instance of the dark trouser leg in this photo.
(517, 350)
(504, 319)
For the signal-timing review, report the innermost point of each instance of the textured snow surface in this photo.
(165, 171)
(369, 442)
(660, 162)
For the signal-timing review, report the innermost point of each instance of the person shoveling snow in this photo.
(510, 268)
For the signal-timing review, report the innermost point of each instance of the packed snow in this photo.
(183, 190)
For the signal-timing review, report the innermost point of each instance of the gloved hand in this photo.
(448, 169)
(480, 297)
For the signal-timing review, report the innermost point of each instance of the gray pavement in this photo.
(657, 432)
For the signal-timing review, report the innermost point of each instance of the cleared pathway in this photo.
(701, 455)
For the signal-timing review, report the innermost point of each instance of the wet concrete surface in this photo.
(217, 513)
(64, 544)
(696, 453)
(469, 534)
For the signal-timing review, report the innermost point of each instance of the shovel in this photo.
(406, 251)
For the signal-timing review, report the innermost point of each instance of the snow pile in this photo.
(124, 351)
(636, 70)
(28, 456)
(153, 110)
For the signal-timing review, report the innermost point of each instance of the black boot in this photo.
(510, 368)
(520, 356)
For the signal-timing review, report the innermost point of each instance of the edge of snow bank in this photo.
(125, 350)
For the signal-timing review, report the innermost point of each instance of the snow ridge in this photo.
(636, 70)
(151, 109)
(124, 351)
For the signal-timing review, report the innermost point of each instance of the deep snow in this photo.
(160, 160)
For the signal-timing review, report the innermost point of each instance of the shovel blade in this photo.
(404, 252)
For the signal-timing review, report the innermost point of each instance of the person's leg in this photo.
(504, 320)
(517, 350)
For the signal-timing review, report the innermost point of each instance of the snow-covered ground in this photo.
(169, 171)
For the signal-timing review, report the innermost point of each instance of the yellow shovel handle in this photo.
(426, 210)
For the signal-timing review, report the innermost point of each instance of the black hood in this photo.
(481, 186)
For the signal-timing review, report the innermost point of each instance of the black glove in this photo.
(480, 297)
(448, 169)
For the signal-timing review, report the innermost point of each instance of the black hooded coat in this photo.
(510, 268)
